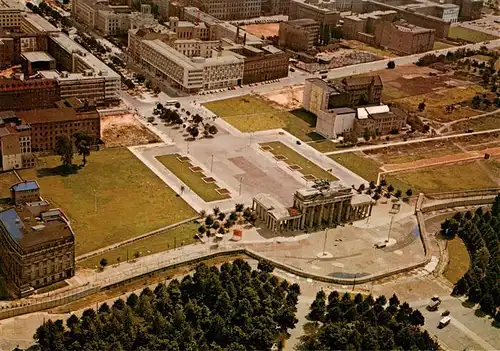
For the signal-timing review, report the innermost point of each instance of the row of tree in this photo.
(480, 232)
(231, 308)
(362, 323)
(83, 143)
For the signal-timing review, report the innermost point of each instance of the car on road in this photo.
(444, 322)
(445, 313)
(434, 303)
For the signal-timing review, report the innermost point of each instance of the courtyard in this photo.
(113, 198)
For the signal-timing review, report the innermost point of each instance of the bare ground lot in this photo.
(264, 29)
(125, 130)
(290, 97)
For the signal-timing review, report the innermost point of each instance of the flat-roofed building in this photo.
(7, 52)
(21, 94)
(299, 35)
(15, 143)
(25, 191)
(33, 23)
(324, 12)
(228, 10)
(10, 15)
(37, 245)
(404, 38)
(266, 63)
(379, 120)
(47, 124)
(35, 61)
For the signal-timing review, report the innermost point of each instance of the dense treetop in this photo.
(480, 231)
(364, 324)
(233, 308)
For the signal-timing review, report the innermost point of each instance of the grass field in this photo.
(460, 176)
(478, 124)
(458, 260)
(436, 101)
(414, 152)
(131, 200)
(7, 179)
(480, 58)
(438, 45)
(293, 158)
(193, 180)
(470, 35)
(361, 165)
(251, 114)
(157, 243)
(324, 145)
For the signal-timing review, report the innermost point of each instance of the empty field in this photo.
(478, 124)
(470, 35)
(293, 158)
(169, 239)
(438, 45)
(251, 114)
(413, 152)
(192, 179)
(113, 198)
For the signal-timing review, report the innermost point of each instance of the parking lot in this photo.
(466, 331)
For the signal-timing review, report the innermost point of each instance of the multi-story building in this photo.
(470, 10)
(37, 245)
(263, 64)
(324, 12)
(10, 15)
(90, 78)
(196, 48)
(23, 192)
(47, 124)
(7, 52)
(137, 36)
(84, 11)
(188, 30)
(228, 10)
(33, 23)
(381, 28)
(404, 38)
(15, 143)
(299, 35)
(21, 94)
(379, 120)
(110, 22)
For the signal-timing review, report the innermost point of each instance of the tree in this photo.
(193, 131)
(366, 134)
(421, 106)
(197, 119)
(398, 193)
(202, 229)
(416, 318)
(177, 105)
(64, 149)
(103, 263)
(487, 305)
(390, 189)
(83, 143)
(213, 130)
(265, 266)
(391, 64)
(318, 307)
(409, 192)
(476, 101)
(209, 220)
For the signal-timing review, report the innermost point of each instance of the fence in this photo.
(464, 193)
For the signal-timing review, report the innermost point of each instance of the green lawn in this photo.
(251, 114)
(169, 239)
(481, 58)
(470, 35)
(325, 145)
(7, 179)
(438, 45)
(458, 260)
(478, 124)
(131, 200)
(293, 158)
(193, 180)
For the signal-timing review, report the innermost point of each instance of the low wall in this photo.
(465, 193)
(485, 200)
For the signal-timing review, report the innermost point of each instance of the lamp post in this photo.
(241, 183)
(390, 227)
(212, 163)
(324, 242)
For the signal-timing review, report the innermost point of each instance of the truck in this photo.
(434, 303)
(444, 322)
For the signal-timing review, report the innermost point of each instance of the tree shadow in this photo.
(468, 304)
(495, 324)
(479, 313)
(60, 170)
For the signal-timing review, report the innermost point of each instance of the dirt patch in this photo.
(290, 97)
(125, 130)
(265, 29)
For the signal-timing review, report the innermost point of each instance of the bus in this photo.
(171, 102)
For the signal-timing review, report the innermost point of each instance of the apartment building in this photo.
(299, 35)
(324, 12)
(15, 143)
(10, 15)
(263, 64)
(21, 94)
(49, 123)
(189, 30)
(137, 36)
(379, 120)
(37, 245)
(196, 48)
(110, 22)
(228, 10)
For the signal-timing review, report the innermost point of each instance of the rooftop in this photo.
(55, 115)
(302, 22)
(353, 81)
(204, 17)
(40, 23)
(37, 56)
(28, 232)
(274, 207)
(171, 53)
(342, 110)
(333, 188)
(25, 186)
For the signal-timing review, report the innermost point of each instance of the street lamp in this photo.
(390, 227)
